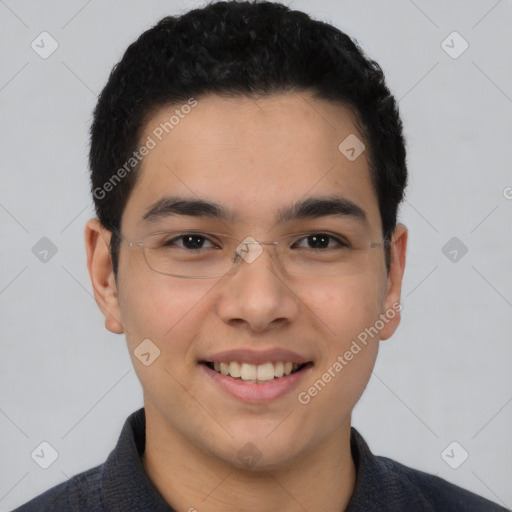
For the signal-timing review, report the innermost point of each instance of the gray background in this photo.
(445, 376)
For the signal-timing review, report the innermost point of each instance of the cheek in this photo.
(341, 310)
(160, 308)
(347, 311)
(155, 310)
(342, 313)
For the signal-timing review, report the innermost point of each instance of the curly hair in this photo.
(241, 48)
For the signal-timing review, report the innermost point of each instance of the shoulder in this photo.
(81, 492)
(432, 492)
(385, 485)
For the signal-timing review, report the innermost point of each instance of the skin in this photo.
(254, 156)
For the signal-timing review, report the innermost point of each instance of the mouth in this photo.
(256, 373)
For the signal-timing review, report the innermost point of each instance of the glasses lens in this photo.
(327, 255)
(189, 254)
(203, 255)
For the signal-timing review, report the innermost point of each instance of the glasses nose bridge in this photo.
(241, 254)
(265, 243)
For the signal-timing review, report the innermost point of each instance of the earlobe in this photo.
(99, 264)
(395, 276)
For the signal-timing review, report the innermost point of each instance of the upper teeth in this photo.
(255, 372)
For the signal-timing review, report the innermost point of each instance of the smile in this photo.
(256, 383)
(255, 373)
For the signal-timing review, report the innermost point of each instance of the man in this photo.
(247, 165)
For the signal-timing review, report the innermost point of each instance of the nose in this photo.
(257, 293)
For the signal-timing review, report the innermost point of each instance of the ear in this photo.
(99, 264)
(396, 272)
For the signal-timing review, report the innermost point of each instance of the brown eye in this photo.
(192, 241)
(321, 241)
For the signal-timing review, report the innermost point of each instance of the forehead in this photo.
(255, 157)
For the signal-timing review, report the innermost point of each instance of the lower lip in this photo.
(257, 393)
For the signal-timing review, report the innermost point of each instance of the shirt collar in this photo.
(125, 483)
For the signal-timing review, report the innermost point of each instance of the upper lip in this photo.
(257, 357)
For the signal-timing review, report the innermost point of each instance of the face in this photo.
(254, 158)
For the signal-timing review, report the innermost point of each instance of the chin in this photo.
(254, 460)
(266, 449)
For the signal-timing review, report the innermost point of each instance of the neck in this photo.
(190, 480)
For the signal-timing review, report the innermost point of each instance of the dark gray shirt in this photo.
(121, 484)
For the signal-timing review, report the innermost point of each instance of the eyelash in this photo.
(340, 242)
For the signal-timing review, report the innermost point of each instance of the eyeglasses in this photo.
(197, 255)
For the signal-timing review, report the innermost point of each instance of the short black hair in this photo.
(243, 48)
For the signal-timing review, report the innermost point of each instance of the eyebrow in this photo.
(310, 208)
